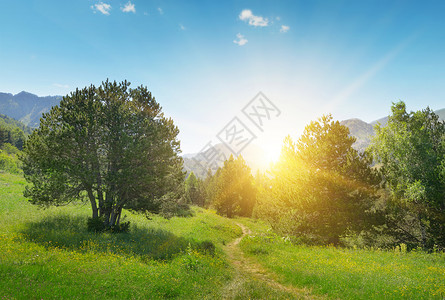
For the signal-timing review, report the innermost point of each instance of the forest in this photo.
(322, 191)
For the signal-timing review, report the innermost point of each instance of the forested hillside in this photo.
(13, 134)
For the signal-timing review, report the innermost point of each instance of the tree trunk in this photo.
(106, 209)
(93, 203)
(119, 216)
(112, 218)
(422, 232)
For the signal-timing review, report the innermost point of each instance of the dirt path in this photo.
(247, 269)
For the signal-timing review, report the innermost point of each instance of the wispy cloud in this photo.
(129, 7)
(161, 11)
(240, 41)
(248, 16)
(182, 27)
(101, 7)
(284, 28)
(63, 86)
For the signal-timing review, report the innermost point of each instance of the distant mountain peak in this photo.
(24, 93)
(26, 107)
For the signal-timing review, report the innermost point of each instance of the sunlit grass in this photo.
(349, 273)
(49, 254)
(29, 270)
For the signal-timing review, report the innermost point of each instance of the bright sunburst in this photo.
(271, 151)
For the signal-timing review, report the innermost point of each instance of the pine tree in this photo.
(235, 193)
(110, 146)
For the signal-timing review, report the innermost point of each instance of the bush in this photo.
(121, 227)
(206, 247)
(98, 225)
(9, 163)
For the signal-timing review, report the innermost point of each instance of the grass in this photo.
(48, 253)
(348, 273)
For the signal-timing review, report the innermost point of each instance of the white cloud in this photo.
(182, 27)
(160, 10)
(241, 41)
(104, 8)
(129, 7)
(284, 28)
(247, 15)
(63, 86)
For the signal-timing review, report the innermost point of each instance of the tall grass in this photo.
(349, 273)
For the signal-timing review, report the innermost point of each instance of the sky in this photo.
(204, 61)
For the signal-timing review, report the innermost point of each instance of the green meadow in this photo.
(342, 273)
(49, 254)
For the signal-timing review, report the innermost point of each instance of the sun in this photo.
(271, 152)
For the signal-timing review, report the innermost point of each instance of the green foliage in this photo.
(207, 247)
(10, 123)
(411, 152)
(234, 190)
(97, 225)
(13, 132)
(195, 191)
(321, 187)
(9, 161)
(110, 146)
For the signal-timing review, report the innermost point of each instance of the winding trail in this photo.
(247, 269)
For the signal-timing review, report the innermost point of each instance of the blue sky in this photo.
(204, 60)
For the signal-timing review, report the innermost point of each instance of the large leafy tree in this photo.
(109, 145)
(411, 151)
(235, 193)
(321, 188)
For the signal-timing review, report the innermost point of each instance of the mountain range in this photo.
(28, 108)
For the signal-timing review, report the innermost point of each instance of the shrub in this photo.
(97, 225)
(206, 247)
(9, 163)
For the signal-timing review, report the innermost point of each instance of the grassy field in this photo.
(348, 273)
(48, 254)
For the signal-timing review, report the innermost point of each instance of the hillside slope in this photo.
(26, 107)
(363, 131)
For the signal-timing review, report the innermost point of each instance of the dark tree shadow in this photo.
(70, 232)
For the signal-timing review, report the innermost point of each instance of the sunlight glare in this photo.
(271, 151)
